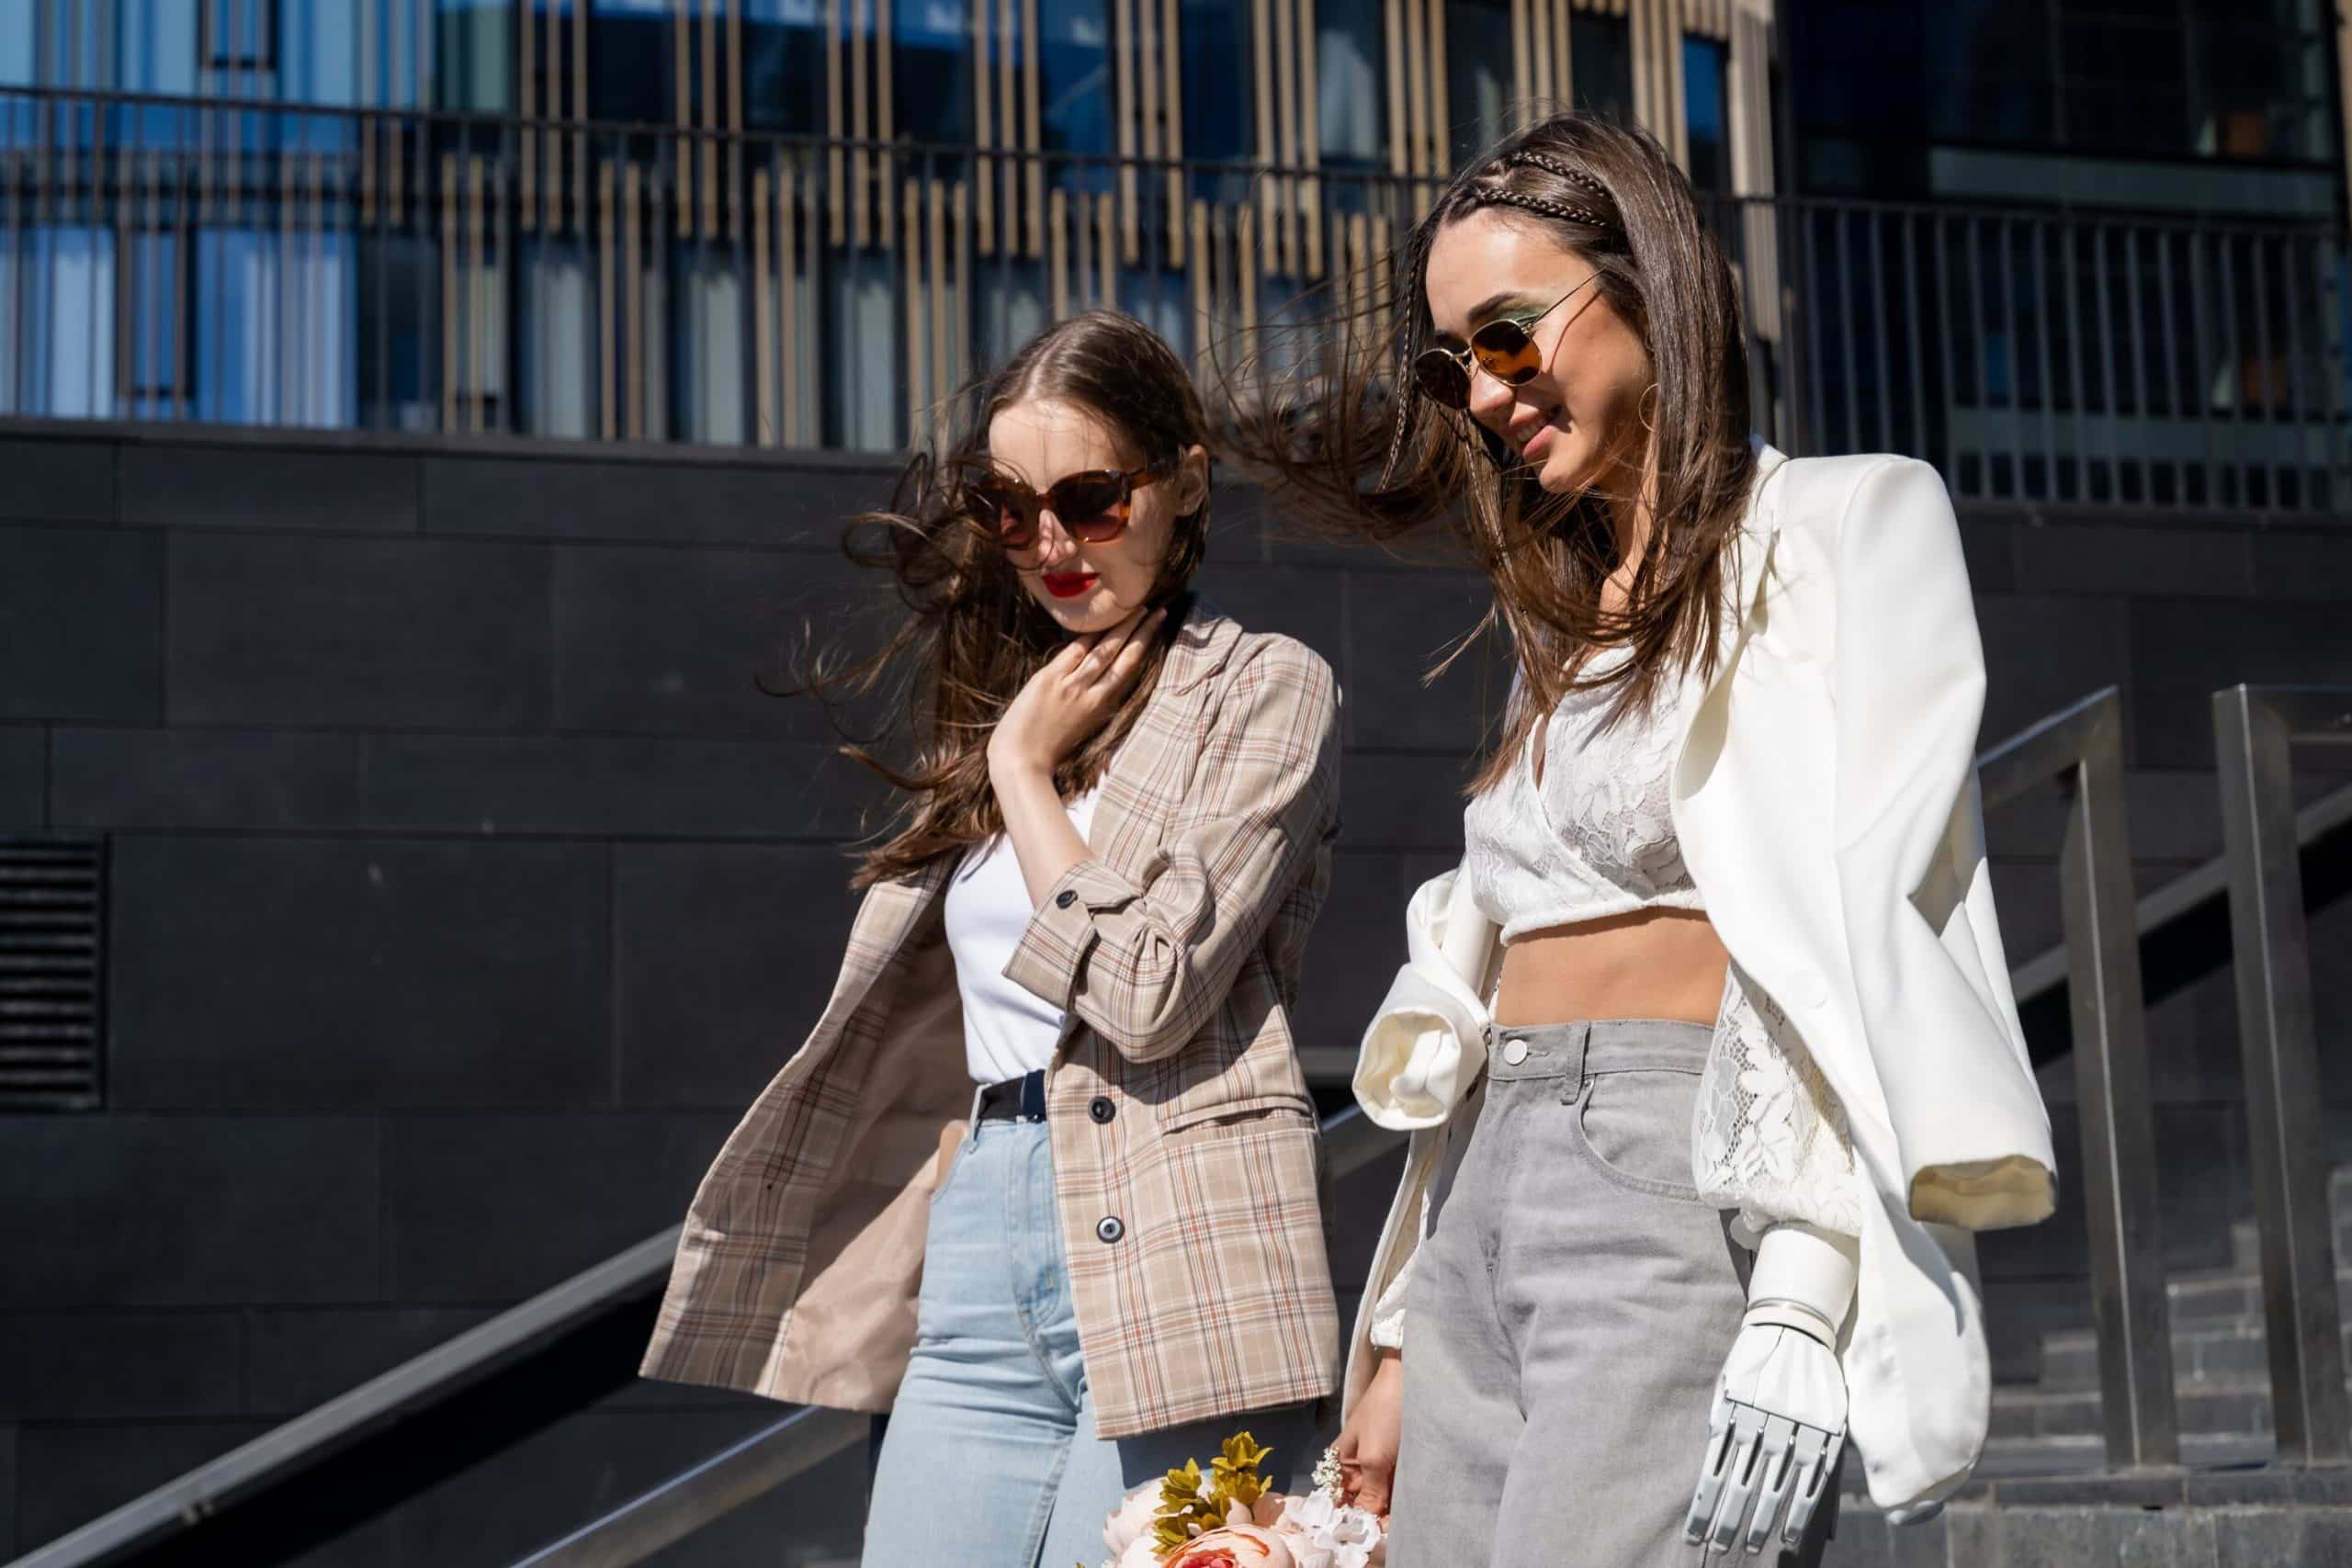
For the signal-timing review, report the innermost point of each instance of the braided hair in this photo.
(1355, 446)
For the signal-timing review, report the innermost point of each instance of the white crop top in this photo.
(1008, 1030)
(1595, 837)
(1768, 1140)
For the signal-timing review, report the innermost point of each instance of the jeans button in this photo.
(1514, 1050)
(1100, 1108)
(1109, 1229)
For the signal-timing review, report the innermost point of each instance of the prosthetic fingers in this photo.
(1779, 1420)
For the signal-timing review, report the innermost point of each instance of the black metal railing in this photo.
(283, 266)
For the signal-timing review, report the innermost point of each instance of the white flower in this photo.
(1326, 1534)
(1132, 1519)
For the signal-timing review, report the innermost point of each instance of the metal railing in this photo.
(2098, 964)
(378, 269)
(2254, 729)
(2083, 748)
(756, 1466)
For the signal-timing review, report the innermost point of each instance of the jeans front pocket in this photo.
(1633, 1126)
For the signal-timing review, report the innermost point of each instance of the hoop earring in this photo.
(1647, 398)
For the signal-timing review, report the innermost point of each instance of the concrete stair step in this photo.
(2010, 1458)
(2239, 1407)
(2216, 1350)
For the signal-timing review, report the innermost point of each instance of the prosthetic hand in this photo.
(1779, 1414)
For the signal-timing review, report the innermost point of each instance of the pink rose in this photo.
(1235, 1546)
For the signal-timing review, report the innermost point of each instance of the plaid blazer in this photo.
(1186, 1157)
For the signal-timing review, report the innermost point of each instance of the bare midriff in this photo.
(1664, 963)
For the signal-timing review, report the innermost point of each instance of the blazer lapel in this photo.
(1751, 563)
(1132, 811)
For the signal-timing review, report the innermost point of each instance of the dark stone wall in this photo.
(464, 888)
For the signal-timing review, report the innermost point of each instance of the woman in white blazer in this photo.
(1708, 1048)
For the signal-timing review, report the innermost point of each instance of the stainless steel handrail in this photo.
(766, 1459)
(2253, 729)
(2083, 748)
(186, 1501)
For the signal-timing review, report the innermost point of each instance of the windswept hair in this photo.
(1351, 445)
(968, 635)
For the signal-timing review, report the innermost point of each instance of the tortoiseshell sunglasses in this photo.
(1092, 507)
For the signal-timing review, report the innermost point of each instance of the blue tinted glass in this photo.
(156, 46)
(1706, 113)
(1477, 73)
(318, 58)
(473, 67)
(931, 57)
(1348, 96)
(1220, 120)
(1601, 58)
(17, 63)
(783, 65)
(1075, 62)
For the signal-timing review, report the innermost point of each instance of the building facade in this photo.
(2123, 227)
(766, 222)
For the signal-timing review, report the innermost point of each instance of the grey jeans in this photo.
(1568, 1313)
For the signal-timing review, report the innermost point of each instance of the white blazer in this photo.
(1825, 800)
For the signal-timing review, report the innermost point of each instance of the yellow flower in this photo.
(1190, 1502)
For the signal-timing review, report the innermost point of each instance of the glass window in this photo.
(158, 354)
(1601, 63)
(17, 61)
(1220, 119)
(630, 63)
(2229, 79)
(783, 65)
(930, 61)
(1706, 112)
(318, 59)
(2124, 78)
(1348, 91)
(276, 333)
(1074, 61)
(2260, 88)
(57, 294)
(154, 47)
(473, 65)
(237, 36)
(1478, 73)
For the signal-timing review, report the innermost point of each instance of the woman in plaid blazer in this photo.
(1058, 1274)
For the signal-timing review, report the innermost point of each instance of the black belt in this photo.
(1023, 1096)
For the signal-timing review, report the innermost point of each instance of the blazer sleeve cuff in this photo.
(1053, 951)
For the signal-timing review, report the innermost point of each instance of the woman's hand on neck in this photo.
(1063, 703)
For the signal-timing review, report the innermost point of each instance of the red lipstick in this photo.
(1070, 584)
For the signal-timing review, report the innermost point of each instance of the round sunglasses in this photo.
(1504, 348)
(1092, 507)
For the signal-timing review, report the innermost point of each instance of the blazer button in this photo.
(1065, 898)
(1100, 1108)
(1109, 1229)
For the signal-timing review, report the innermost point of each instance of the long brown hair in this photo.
(967, 635)
(1357, 447)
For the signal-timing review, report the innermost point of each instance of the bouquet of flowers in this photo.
(1227, 1518)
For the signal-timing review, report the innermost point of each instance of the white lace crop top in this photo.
(1594, 836)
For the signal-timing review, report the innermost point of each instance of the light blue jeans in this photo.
(990, 1455)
